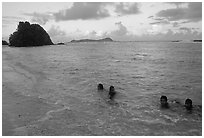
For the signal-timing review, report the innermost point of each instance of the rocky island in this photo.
(28, 35)
(92, 40)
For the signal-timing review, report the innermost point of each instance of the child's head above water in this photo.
(100, 86)
(111, 92)
(111, 89)
(163, 101)
(188, 104)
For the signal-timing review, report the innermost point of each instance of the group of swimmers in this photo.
(163, 100)
(164, 103)
(111, 92)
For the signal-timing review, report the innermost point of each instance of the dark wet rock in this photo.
(197, 40)
(4, 42)
(29, 35)
(91, 40)
(60, 43)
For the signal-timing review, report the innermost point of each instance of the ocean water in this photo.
(141, 72)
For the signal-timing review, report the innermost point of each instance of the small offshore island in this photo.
(92, 40)
(29, 35)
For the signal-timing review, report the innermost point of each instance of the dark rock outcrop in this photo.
(4, 42)
(197, 40)
(91, 40)
(29, 35)
(176, 41)
(60, 43)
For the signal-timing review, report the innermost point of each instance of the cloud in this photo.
(155, 29)
(154, 34)
(159, 19)
(93, 34)
(187, 30)
(185, 22)
(56, 34)
(176, 3)
(121, 31)
(83, 11)
(122, 34)
(41, 18)
(175, 24)
(127, 8)
(10, 19)
(150, 17)
(184, 29)
(55, 31)
(171, 35)
(160, 22)
(192, 13)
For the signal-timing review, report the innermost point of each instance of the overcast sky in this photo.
(121, 21)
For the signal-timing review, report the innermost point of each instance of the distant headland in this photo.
(92, 40)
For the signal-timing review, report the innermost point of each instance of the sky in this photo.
(122, 21)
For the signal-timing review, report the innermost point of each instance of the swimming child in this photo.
(163, 101)
(188, 104)
(111, 92)
(100, 86)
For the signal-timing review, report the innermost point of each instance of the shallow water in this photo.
(140, 72)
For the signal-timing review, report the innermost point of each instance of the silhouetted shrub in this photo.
(29, 35)
(4, 42)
